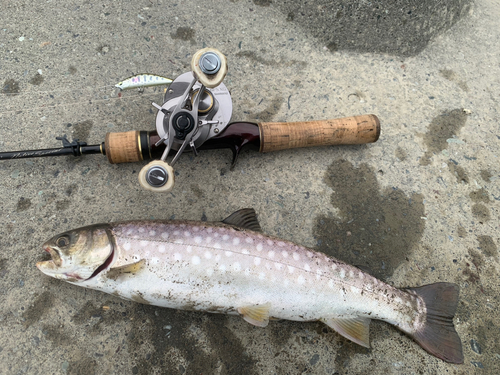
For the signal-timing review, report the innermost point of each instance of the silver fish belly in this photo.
(220, 267)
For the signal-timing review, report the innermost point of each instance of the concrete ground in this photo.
(419, 206)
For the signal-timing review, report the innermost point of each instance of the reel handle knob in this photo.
(157, 176)
(209, 66)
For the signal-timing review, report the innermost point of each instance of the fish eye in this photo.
(62, 241)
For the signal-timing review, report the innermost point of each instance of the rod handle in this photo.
(123, 147)
(353, 130)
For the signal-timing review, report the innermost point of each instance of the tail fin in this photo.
(438, 335)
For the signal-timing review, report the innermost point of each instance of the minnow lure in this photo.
(143, 80)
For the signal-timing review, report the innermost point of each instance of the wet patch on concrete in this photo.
(10, 87)
(401, 154)
(37, 79)
(86, 366)
(480, 196)
(262, 3)
(461, 232)
(103, 49)
(374, 26)
(487, 246)
(378, 227)
(71, 189)
(440, 129)
(184, 33)
(252, 56)
(486, 175)
(82, 130)
(458, 172)
(72, 70)
(270, 111)
(56, 335)
(155, 332)
(3, 267)
(23, 204)
(481, 212)
(198, 193)
(450, 75)
(63, 204)
(39, 307)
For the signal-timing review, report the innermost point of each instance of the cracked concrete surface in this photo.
(419, 206)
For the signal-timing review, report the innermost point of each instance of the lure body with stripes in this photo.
(143, 80)
(232, 268)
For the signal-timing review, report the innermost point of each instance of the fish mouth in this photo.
(54, 260)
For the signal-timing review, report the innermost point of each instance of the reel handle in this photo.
(209, 66)
(353, 130)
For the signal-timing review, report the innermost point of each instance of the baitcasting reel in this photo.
(197, 106)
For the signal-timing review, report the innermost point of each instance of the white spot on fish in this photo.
(270, 254)
(248, 240)
(209, 230)
(287, 282)
(225, 237)
(369, 287)
(127, 246)
(152, 233)
(270, 243)
(269, 266)
(284, 254)
(216, 234)
(398, 300)
(189, 249)
(236, 241)
(222, 267)
(217, 245)
(361, 276)
(142, 230)
(342, 273)
(177, 256)
(247, 271)
(187, 234)
(408, 303)
(306, 267)
(351, 273)
(217, 257)
(129, 231)
(281, 243)
(176, 232)
(208, 254)
(296, 256)
(162, 248)
(237, 267)
(259, 247)
(179, 242)
(144, 243)
(310, 254)
(195, 259)
(210, 271)
(197, 239)
(245, 252)
(279, 266)
(164, 235)
(256, 261)
(290, 269)
(208, 239)
(334, 266)
(228, 253)
(155, 260)
(262, 275)
(301, 280)
(355, 290)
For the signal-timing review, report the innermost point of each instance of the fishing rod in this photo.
(195, 115)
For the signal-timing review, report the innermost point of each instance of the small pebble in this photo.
(475, 346)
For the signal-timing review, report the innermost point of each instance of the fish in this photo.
(142, 80)
(231, 267)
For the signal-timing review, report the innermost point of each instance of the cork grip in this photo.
(123, 147)
(276, 136)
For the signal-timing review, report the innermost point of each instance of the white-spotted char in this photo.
(232, 268)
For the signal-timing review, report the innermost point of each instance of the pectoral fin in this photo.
(258, 315)
(131, 268)
(353, 328)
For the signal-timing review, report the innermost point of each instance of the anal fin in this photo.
(258, 315)
(355, 329)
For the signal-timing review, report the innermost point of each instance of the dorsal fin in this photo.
(246, 218)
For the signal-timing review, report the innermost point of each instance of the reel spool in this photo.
(196, 107)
